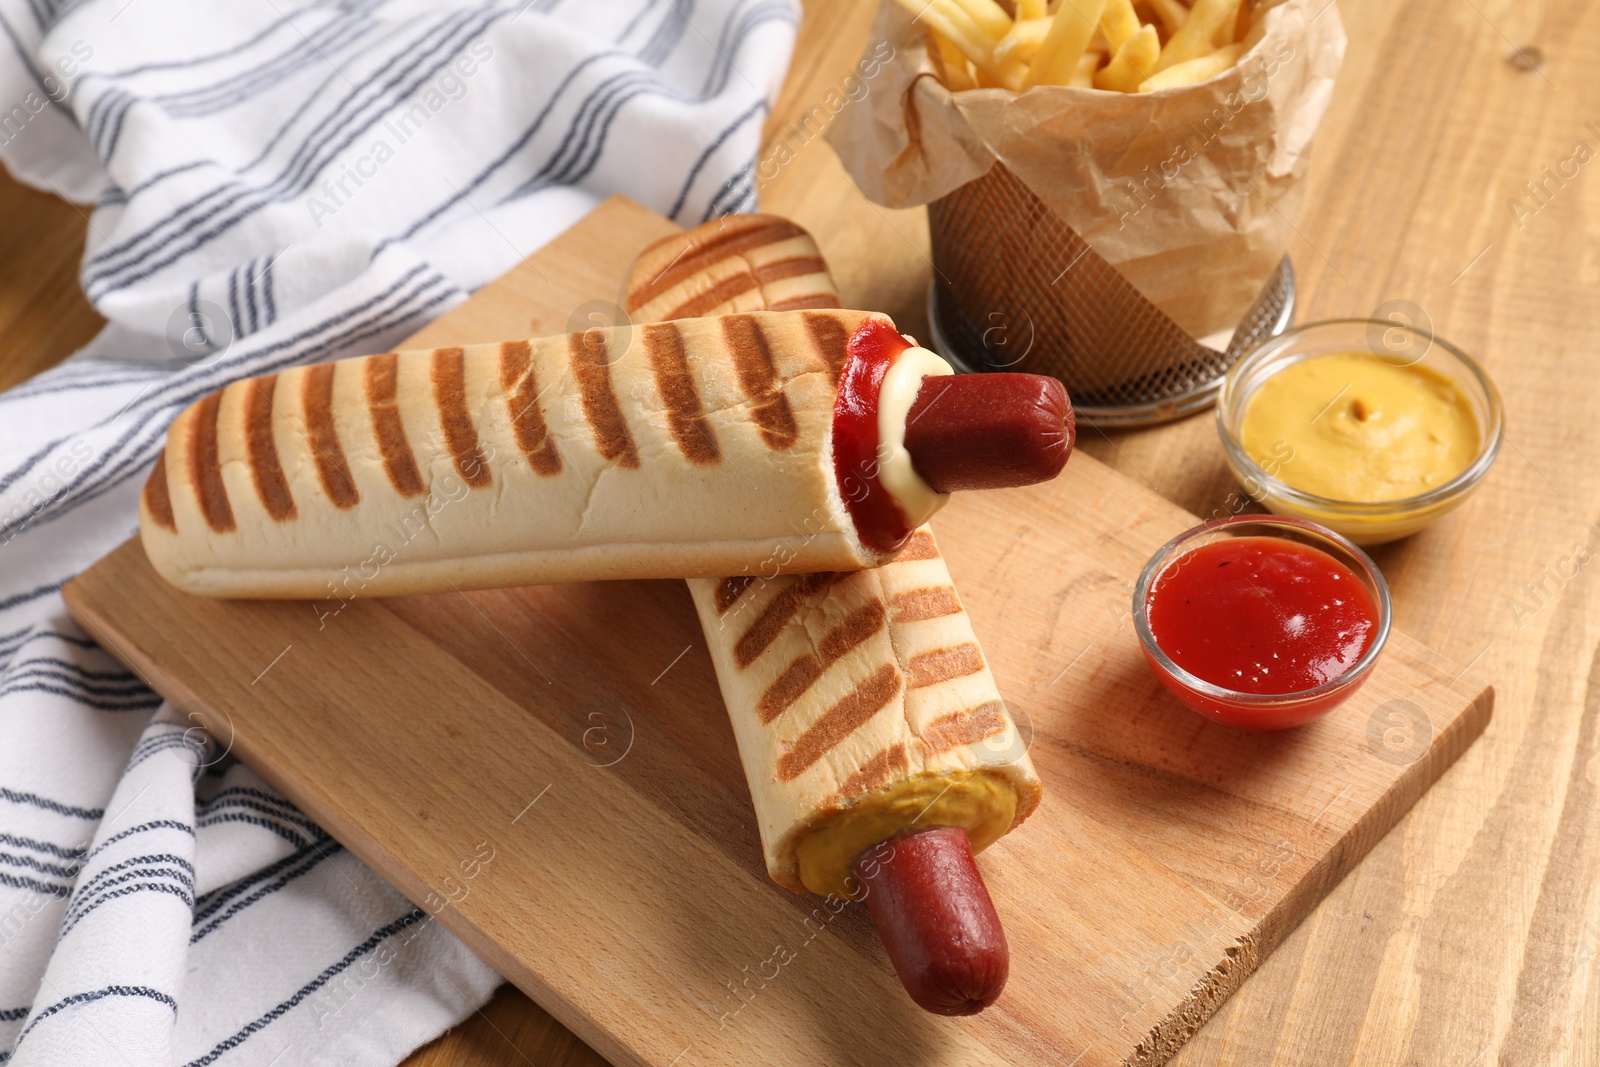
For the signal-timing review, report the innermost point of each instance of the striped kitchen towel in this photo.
(275, 183)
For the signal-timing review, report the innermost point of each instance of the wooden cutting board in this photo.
(550, 772)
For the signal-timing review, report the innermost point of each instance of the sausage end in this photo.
(989, 431)
(936, 920)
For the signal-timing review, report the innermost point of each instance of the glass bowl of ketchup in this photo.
(1261, 621)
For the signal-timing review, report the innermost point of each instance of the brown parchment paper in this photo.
(1191, 193)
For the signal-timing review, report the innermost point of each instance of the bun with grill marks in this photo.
(737, 263)
(663, 450)
(862, 703)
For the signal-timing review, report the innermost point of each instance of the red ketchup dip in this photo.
(1261, 616)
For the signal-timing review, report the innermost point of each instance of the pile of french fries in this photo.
(1120, 46)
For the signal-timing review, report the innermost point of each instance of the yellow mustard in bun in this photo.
(982, 802)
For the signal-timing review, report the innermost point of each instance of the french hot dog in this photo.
(697, 448)
(877, 749)
(863, 707)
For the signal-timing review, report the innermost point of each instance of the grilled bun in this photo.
(861, 702)
(737, 263)
(859, 694)
(699, 448)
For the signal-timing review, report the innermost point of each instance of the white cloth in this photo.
(275, 183)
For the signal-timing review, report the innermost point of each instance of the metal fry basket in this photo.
(1016, 288)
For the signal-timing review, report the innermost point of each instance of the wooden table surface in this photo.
(1469, 936)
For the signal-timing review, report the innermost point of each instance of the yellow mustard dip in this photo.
(982, 803)
(1359, 427)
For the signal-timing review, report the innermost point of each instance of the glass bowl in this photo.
(1363, 523)
(1260, 711)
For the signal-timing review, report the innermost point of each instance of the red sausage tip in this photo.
(934, 916)
(989, 431)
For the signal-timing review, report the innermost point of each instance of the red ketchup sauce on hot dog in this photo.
(968, 431)
(1262, 615)
(879, 521)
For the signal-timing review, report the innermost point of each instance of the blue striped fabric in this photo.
(275, 184)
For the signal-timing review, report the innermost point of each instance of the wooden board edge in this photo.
(80, 610)
(1245, 956)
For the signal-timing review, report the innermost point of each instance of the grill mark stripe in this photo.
(663, 346)
(793, 267)
(920, 604)
(205, 467)
(752, 359)
(855, 628)
(449, 373)
(920, 546)
(776, 615)
(266, 470)
(747, 279)
(714, 297)
(876, 771)
(333, 470)
(830, 339)
(805, 303)
(158, 496)
(840, 721)
(941, 665)
(724, 245)
(521, 386)
(729, 590)
(797, 678)
(587, 352)
(964, 727)
(399, 462)
(803, 672)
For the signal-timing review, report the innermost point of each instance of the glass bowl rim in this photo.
(1172, 550)
(1233, 447)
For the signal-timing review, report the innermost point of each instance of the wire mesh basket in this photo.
(1016, 288)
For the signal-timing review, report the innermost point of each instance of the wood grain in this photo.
(1170, 855)
(1470, 934)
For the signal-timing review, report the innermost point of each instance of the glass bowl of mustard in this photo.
(1373, 429)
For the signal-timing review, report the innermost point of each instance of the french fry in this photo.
(953, 68)
(1133, 64)
(1023, 41)
(958, 27)
(1193, 38)
(990, 16)
(1083, 76)
(1118, 23)
(1241, 21)
(1172, 14)
(1070, 29)
(1193, 70)
(1005, 75)
(987, 81)
(976, 45)
(1233, 29)
(964, 31)
(1100, 44)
